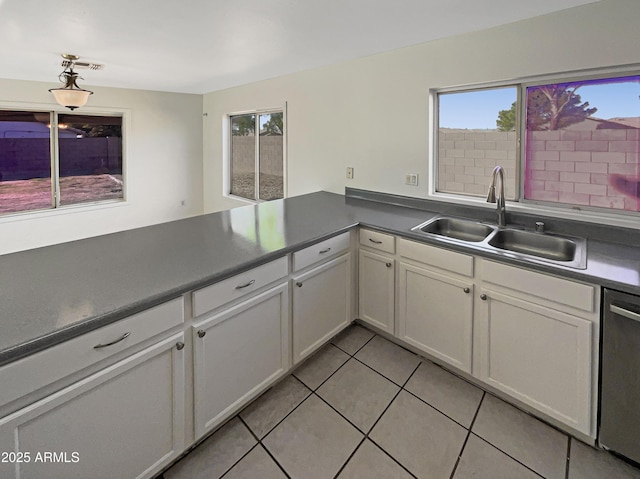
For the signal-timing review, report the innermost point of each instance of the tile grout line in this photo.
(466, 439)
(364, 438)
(240, 459)
(366, 434)
(568, 464)
(378, 372)
(259, 444)
(357, 350)
(506, 454)
(485, 393)
(312, 392)
(441, 412)
(288, 414)
(383, 413)
(264, 448)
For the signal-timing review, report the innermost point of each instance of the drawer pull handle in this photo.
(388, 265)
(624, 312)
(121, 338)
(467, 290)
(325, 251)
(483, 297)
(375, 241)
(299, 284)
(242, 286)
(201, 333)
(179, 345)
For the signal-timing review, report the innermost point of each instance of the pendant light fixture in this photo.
(70, 95)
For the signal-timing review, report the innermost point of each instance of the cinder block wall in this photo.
(243, 148)
(584, 167)
(467, 158)
(579, 167)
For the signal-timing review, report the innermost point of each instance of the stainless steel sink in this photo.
(460, 229)
(532, 246)
(558, 249)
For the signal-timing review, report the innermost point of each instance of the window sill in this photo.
(63, 210)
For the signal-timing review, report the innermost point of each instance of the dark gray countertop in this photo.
(51, 294)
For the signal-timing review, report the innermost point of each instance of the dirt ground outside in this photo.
(35, 194)
(271, 186)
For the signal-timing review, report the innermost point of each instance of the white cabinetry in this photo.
(532, 336)
(536, 340)
(127, 420)
(435, 300)
(321, 305)
(377, 277)
(237, 354)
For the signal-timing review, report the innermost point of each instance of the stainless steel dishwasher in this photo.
(620, 380)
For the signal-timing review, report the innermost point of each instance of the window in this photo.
(471, 145)
(580, 141)
(49, 160)
(256, 165)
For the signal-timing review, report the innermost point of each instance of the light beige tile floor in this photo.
(365, 408)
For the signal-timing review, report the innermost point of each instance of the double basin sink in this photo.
(562, 250)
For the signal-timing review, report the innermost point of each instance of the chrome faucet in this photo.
(491, 196)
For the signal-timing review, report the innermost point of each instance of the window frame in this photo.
(434, 135)
(56, 208)
(227, 169)
(614, 217)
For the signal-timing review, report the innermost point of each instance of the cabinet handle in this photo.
(179, 345)
(375, 241)
(201, 333)
(483, 297)
(325, 251)
(299, 284)
(121, 338)
(624, 312)
(467, 290)
(242, 286)
(388, 265)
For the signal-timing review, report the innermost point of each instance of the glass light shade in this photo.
(72, 98)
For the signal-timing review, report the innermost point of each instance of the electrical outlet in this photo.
(411, 179)
(349, 173)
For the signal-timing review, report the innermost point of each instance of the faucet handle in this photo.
(539, 227)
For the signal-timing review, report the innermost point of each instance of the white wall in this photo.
(372, 113)
(163, 148)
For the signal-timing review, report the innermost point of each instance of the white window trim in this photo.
(124, 113)
(619, 218)
(226, 152)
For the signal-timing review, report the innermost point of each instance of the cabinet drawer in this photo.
(211, 297)
(41, 369)
(542, 286)
(376, 240)
(320, 251)
(438, 257)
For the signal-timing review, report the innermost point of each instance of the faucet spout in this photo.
(498, 199)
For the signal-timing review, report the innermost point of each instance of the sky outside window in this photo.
(613, 98)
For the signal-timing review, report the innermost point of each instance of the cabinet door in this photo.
(237, 354)
(376, 290)
(436, 314)
(124, 421)
(321, 305)
(537, 355)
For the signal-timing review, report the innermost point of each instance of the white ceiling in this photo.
(198, 46)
